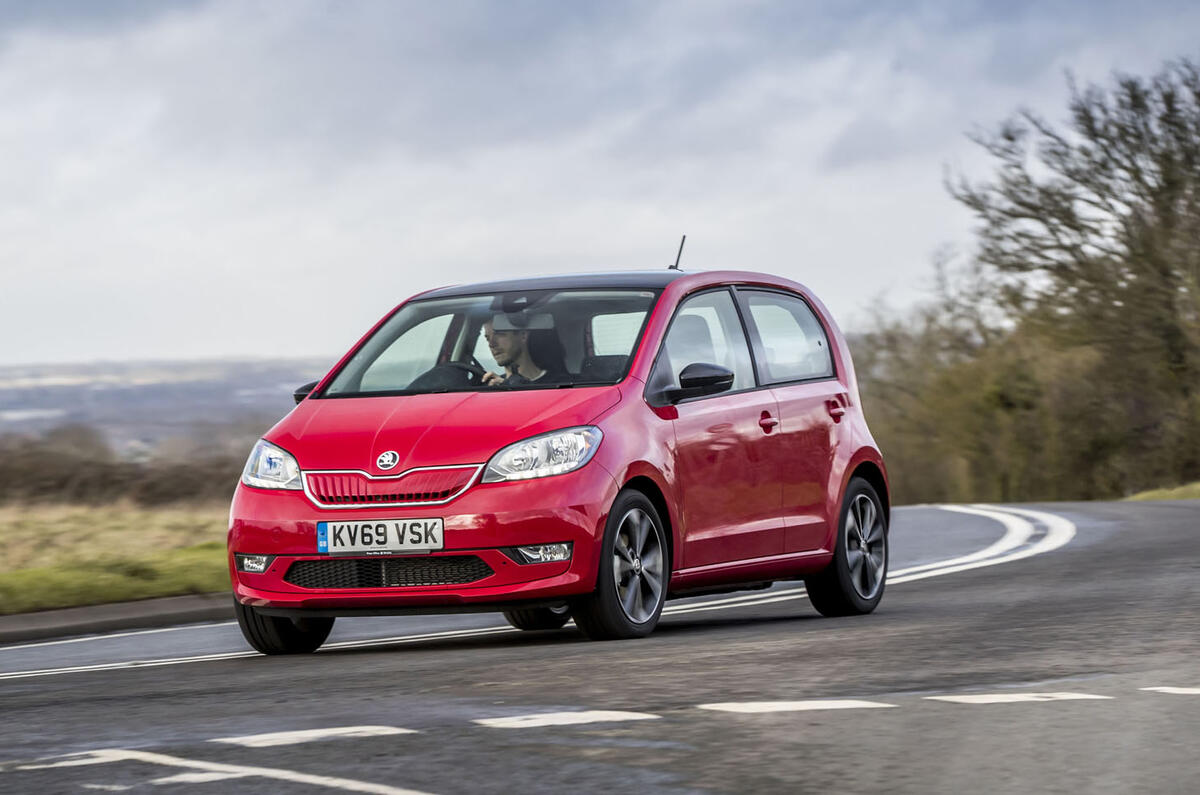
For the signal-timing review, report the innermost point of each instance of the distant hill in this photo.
(147, 408)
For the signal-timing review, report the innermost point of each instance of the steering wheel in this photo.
(449, 376)
(473, 368)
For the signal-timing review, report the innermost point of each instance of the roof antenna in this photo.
(675, 267)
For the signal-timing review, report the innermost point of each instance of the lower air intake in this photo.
(388, 572)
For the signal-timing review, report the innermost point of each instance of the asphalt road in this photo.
(1022, 649)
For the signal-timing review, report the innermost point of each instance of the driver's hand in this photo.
(492, 379)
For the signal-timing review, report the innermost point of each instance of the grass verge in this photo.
(1188, 491)
(70, 556)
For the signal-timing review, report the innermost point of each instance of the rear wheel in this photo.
(853, 582)
(538, 617)
(631, 586)
(279, 635)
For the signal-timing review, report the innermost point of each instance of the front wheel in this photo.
(852, 583)
(635, 566)
(538, 617)
(279, 635)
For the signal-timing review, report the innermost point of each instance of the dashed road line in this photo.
(121, 755)
(1174, 691)
(1015, 698)
(199, 777)
(793, 706)
(310, 735)
(539, 719)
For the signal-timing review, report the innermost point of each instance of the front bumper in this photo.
(484, 520)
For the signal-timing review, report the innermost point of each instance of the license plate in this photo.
(380, 536)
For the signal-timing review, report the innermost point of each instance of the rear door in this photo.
(792, 355)
(729, 491)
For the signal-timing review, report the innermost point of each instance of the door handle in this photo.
(836, 410)
(767, 423)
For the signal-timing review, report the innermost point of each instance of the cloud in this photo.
(228, 178)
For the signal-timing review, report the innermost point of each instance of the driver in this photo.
(518, 351)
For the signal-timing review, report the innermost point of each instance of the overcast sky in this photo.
(202, 179)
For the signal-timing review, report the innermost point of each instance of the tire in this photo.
(532, 618)
(279, 635)
(633, 574)
(853, 582)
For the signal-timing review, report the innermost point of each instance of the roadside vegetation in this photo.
(1061, 358)
(71, 555)
(1189, 491)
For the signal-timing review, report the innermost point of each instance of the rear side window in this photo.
(792, 343)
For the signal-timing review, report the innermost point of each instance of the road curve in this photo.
(1018, 648)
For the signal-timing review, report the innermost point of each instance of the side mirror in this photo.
(700, 378)
(303, 391)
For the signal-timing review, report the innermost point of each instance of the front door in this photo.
(726, 459)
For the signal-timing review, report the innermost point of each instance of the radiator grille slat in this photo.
(354, 488)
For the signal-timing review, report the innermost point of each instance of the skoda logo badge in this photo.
(387, 460)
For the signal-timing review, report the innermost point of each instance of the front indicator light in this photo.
(544, 553)
(253, 564)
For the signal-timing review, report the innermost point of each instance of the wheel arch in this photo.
(873, 474)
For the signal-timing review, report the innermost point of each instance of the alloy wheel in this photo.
(866, 547)
(638, 566)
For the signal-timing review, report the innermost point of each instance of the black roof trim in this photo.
(566, 281)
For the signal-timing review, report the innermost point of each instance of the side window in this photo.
(793, 344)
(411, 354)
(705, 329)
(614, 335)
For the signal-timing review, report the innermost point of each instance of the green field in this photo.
(72, 555)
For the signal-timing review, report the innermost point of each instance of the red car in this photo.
(576, 447)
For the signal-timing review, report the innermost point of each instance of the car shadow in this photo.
(669, 627)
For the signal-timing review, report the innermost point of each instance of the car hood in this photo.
(430, 430)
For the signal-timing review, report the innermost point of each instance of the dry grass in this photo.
(51, 535)
(1189, 491)
(71, 555)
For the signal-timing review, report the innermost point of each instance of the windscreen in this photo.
(534, 339)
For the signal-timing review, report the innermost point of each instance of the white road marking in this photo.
(112, 635)
(793, 706)
(72, 760)
(357, 644)
(450, 633)
(1014, 698)
(309, 735)
(197, 778)
(107, 787)
(128, 664)
(1060, 531)
(121, 755)
(1016, 533)
(1174, 691)
(562, 719)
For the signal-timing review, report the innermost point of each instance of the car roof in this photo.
(655, 279)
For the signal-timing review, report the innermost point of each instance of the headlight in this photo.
(548, 454)
(271, 467)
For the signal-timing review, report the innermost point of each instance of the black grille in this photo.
(387, 572)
